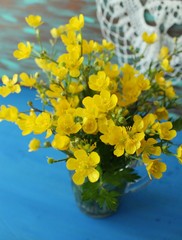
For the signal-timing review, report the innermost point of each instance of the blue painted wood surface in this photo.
(37, 203)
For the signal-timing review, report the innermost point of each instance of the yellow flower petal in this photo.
(78, 178)
(93, 175)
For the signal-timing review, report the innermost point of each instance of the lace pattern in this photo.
(123, 23)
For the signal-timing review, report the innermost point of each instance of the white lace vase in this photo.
(124, 21)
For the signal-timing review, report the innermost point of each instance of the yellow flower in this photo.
(89, 125)
(99, 81)
(55, 91)
(76, 23)
(11, 85)
(24, 51)
(148, 147)
(108, 45)
(159, 77)
(166, 86)
(154, 167)
(72, 61)
(70, 39)
(115, 136)
(34, 145)
(132, 85)
(129, 95)
(34, 21)
(60, 105)
(54, 32)
(26, 80)
(149, 38)
(165, 131)
(170, 92)
(84, 166)
(104, 124)
(105, 101)
(91, 109)
(165, 64)
(75, 88)
(164, 52)
(42, 63)
(57, 70)
(32, 123)
(128, 72)
(88, 47)
(66, 125)
(162, 113)
(179, 153)
(143, 83)
(111, 70)
(8, 114)
(149, 121)
(42, 123)
(26, 122)
(133, 142)
(61, 142)
(74, 101)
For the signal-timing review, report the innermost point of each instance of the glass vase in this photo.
(92, 208)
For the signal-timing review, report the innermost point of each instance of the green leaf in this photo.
(121, 177)
(107, 190)
(104, 197)
(90, 191)
(109, 198)
(177, 124)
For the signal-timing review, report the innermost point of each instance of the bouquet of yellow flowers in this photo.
(105, 118)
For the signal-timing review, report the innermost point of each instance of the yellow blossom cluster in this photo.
(94, 110)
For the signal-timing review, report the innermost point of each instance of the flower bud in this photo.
(50, 160)
(47, 144)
